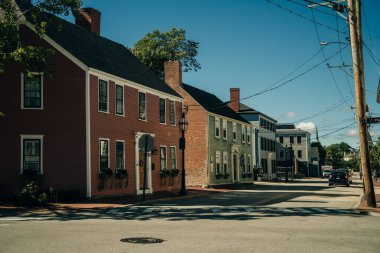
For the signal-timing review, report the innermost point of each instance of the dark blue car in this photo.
(340, 177)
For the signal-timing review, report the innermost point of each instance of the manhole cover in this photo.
(142, 240)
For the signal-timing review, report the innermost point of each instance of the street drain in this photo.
(142, 240)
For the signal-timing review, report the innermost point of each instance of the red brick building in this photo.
(80, 128)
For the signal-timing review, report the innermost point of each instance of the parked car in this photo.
(326, 173)
(340, 177)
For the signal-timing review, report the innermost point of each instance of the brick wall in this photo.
(61, 122)
(114, 127)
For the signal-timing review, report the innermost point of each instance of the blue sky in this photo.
(254, 44)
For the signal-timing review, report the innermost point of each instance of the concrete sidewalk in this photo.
(363, 204)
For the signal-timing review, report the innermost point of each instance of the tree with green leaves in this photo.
(157, 47)
(11, 48)
(321, 151)
(375, 155)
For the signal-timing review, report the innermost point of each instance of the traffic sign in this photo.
(373, 120)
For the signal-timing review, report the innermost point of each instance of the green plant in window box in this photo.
(121, 174)
(174, 172)
(219, 176)
(250, 175)
(225, 176)
(164, 173)
(245, 175)
(105, 173)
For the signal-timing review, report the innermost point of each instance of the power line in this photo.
(300, 15)
(340, 129)
(341, 57)
(324, 56)
(328, 109)
(324, 12)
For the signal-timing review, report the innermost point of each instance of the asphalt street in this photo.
(305, 216)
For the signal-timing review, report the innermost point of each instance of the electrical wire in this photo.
(299, 15)
(324, 56)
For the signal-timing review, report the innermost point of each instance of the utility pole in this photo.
(357, 60)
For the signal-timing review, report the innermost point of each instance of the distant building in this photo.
(292, 141)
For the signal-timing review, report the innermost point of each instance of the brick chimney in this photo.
(89, 19)
(173, 74)
(235, 99)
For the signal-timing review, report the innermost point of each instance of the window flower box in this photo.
(165, 173)
(105, 173)
(174, 172)
(225, 176)
(121, 174)
(219, 176)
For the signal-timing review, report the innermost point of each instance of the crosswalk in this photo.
(164, 210)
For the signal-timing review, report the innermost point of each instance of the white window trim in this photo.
(32, 137)
(218, 153)
(248, 134)
(42, 92)
(234, 131)
(175, 118)
(243, 131)
(250, 163)
(116, 141)
(225, 161)
(166, 156)
(108, 96)
(121, 115)
(217, 120)
(225, 127)
(108, 150)
(159, 110)
(138, 107)
(175, 151)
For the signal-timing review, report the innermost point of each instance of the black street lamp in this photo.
(183, 124)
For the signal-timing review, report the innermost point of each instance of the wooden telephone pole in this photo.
(358, 65)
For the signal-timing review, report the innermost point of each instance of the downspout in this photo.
(88, 136)
(208, 150)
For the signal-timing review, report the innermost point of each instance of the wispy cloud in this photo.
(307, 126)
(351, 133)
(291, 115)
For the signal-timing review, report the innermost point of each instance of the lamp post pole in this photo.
(183, 124)
(286, 163)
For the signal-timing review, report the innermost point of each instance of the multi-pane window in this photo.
(217, 127)
(291, 139)
(32, 91)
(249, 163)
(299, 153)
(243, 133)
(217, 162)
(172, 112)
(32, 155)
(243, 163)
(234, 134)
(273, 166)
(248, 135)
(104, 155)
(262, 143)
(162, 110)
(173, 158)
(142, 106)
(281, 139)
(281, 153)
(103, 96)
(119, 100)
(120, 155)
(299, 139)
(163, 157)
(225, 129)
(225, 162)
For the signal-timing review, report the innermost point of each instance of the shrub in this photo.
(30, 196)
